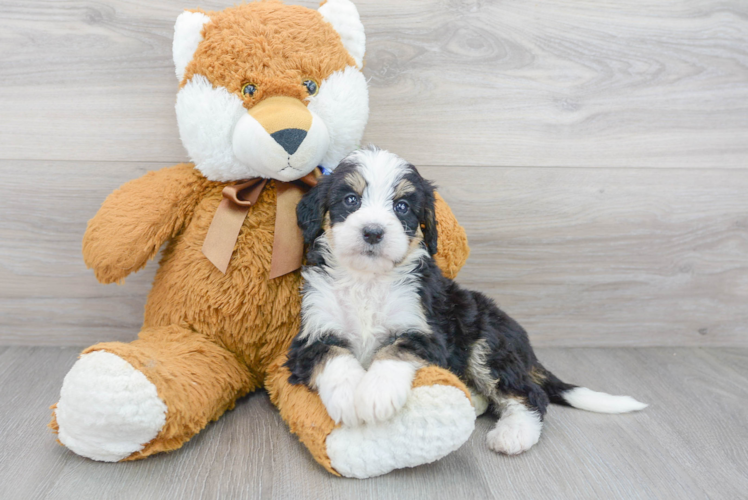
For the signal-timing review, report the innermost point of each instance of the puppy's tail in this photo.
(565, 394)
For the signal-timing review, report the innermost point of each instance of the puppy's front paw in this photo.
(384, 390)
(336, 385)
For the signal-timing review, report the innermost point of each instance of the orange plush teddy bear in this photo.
(270, 95)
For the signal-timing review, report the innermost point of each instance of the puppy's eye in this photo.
(311, 86)
(402, 207)
(351, 200)
(249, 89)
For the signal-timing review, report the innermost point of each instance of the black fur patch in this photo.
(304, 357)
(463, 317)
(310, 212)
(427, 215)
(421, 213)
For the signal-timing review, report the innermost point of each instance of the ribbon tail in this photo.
(223, 232)
(288, 242)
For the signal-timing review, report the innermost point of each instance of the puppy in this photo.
(376, 308)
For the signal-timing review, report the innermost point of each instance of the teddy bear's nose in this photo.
(286, 119)
(290, 139)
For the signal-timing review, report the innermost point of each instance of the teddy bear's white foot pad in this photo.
(107, 409)
(435, 421)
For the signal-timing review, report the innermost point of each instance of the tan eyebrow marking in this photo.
(356, 181)
(405, 187)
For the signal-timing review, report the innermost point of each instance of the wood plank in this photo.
(555, 83)
(579, 256)
(688, 444)
(46, 293)
(609, 256)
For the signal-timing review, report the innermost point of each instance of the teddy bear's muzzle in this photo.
(280, 138)
(286, 119)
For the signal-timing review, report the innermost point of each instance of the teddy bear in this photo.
(270, 97)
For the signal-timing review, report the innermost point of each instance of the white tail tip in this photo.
(600, 402)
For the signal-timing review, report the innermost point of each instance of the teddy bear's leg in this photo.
(437, 419)
(128, 401)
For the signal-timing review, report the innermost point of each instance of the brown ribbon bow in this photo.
(288, 242)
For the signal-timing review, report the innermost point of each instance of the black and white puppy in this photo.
(376, 308)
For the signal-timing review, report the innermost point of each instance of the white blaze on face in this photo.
(382, 171)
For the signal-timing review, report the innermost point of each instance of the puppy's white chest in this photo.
(374, 311)
(368, 309)
(368, 312)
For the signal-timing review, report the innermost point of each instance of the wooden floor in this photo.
(692, 442)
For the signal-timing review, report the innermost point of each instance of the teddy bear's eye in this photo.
(249, 89)
(311, 86)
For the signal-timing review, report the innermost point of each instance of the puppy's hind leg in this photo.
(519, 425)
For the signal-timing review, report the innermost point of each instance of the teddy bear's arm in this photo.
(452, 245)
(136, 219)
(438, 419)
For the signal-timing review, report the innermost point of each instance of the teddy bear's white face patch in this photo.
(343, 104)
(228, 143)
(285, 154)
(206, 117)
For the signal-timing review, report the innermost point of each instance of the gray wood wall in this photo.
(596, 152)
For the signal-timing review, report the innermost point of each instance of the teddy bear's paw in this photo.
(384, 390)
(336, 386)
(480, 402)
(435, 421)
(517, 430)
(107, 409)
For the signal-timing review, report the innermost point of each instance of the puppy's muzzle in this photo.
(286, 119)
(373, 234)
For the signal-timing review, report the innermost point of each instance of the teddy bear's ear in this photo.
(188, 33)
(343, 16)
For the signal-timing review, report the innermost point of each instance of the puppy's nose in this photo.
(373, 234)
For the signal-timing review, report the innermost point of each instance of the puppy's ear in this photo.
(310, 212)
(428, 222)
